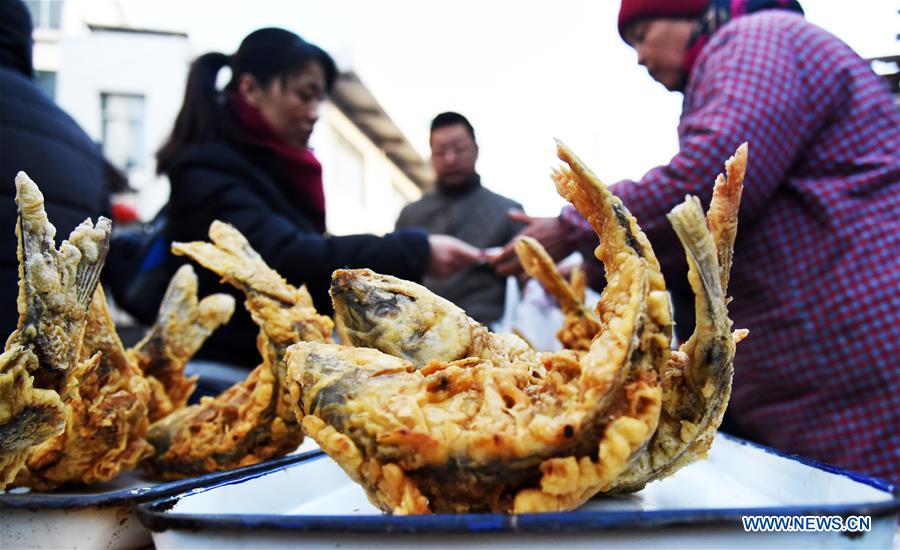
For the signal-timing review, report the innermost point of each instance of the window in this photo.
(123, 129)
(46, 81)
(45, 14)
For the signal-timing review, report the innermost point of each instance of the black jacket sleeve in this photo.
(291, 246)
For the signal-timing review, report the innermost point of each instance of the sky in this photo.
(522, 72)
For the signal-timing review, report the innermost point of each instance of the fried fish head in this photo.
(401, 318)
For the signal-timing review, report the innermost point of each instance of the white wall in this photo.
(385, 188)
(154, 66)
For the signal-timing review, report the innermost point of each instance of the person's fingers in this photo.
(503, 257)
(510, 266)
(466, 254)
(517, 215)
(472, 253)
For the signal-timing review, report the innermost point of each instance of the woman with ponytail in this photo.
(241, 156)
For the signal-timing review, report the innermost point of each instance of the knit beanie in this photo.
(634, 10)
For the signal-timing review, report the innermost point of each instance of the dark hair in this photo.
(266, 54)
(451, 119)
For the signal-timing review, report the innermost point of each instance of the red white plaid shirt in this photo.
(816, 275)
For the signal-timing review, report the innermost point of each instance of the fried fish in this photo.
(55, 290)
(430, 426)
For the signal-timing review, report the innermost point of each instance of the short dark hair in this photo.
(450, 119)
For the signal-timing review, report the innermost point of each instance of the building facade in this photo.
(124, 85)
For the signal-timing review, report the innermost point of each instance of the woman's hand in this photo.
(450, 255)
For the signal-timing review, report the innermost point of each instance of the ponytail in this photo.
(202, 116)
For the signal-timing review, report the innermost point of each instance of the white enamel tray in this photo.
(313, 503)
(102, 515)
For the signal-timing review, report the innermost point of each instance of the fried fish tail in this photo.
(284, 312)
(579, 323)
(697, 380)
(722, 216)
(181, 327)
(55, 286)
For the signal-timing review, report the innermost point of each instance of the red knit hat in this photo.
(633, 10)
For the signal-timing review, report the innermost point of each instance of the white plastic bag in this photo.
(533, 314)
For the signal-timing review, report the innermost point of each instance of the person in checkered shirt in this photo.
(816, 274)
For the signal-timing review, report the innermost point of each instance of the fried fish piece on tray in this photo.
(110, 401)
(106, 399)
(55, 290)
(252, 420)
(183, 324)
(579, 323)
(697, 379)
(492, 431)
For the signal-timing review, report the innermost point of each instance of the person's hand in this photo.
(450, 255)
(550, 232)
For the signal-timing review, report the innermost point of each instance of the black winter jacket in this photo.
(40, 138)
(247, 187)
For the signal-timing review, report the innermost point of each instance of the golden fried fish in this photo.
(106, 400)
(55, 290)
(252, 420)
(183, 324)
(697, 380)
(489, 430)
(579, 323)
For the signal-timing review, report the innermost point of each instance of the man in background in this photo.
(41, 139)
(460, 206)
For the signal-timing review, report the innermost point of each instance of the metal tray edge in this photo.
(36, 501)
(153, 515)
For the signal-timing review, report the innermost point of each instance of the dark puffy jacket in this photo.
(40, 138)
(247, 188)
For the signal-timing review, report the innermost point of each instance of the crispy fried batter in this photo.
(489, 431)
(106, 403)
(28, 415)
(579, 323)
(55, 290)
(253, 420)
(697, 380)
(181, 327)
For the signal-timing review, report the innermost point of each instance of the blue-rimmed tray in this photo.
(312, 502)
(102, 515)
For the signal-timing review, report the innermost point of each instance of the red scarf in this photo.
(303, 167)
